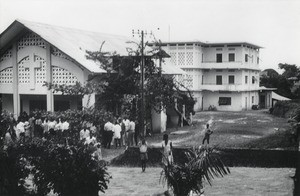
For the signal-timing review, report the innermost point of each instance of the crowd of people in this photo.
(119, 132)
(29, 126)
(116, 132)
(122, 132)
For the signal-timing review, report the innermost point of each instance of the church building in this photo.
(32, 54)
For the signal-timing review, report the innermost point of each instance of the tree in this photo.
(123, 81)
(203, 164)
(290, 70)
(283, 81)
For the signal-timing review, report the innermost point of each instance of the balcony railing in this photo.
(227, 65)
(228, 87)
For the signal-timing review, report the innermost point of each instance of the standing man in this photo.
(108, 134)
(131, 133)
(207, 133)
(126, 123)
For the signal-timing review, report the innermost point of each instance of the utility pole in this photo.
(142, 80)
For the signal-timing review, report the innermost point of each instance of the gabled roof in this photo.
(72, 42)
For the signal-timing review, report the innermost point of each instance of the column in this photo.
(16, 96)
(50, 97)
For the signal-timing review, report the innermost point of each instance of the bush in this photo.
(286, 109)
(203, 164)
(13, 172)
(66, 170)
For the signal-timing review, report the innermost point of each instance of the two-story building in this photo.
(220, 75)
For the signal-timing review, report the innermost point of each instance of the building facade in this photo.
(220, 75)
(33, 53)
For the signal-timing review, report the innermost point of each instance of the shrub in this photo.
(67, 170)
(203, 164)
(13, 172)
(286, 109)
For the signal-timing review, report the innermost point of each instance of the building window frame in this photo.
(246, 79)
(219, 80)
(231, 57)
(246, 58)
(231, 79)
(219, 58)
(224, 101)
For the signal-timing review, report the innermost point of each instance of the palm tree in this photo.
(203, 164)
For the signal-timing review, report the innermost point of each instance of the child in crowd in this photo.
(143, 154)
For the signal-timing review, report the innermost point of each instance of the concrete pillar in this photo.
(159, 121)
(50, 97)
(16, 96)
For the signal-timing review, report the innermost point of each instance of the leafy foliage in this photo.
(283, 82)
(67, 170)
(13, 172)
(122, 81)
(204, 164)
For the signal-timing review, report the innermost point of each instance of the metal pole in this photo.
(142, 88)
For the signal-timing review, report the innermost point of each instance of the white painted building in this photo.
(224, 75)
(33, 53)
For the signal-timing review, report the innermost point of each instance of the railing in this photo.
(227, 87)
(228, 65)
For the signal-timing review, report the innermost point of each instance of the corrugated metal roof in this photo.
(279, 97)
(74, 42)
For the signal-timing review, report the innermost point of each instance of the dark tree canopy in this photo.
(283, 82)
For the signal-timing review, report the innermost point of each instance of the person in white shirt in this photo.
(131, 133)
(90, 140)
(20, 132)
(167, 150)
(45, 127)
(84, 133)
(117, 134)
(108, 134)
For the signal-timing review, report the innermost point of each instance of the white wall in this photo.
(209, 54)
(210, 76)
(247, 99)
(198, 98)
(159, 121)
(212, 98)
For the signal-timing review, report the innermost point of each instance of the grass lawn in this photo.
(241, 181)
(247, 129)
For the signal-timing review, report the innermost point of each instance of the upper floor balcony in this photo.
(229, 87)
(228, 65)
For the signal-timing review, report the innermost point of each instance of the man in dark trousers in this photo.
(207, 133)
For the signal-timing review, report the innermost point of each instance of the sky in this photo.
(272, 24)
